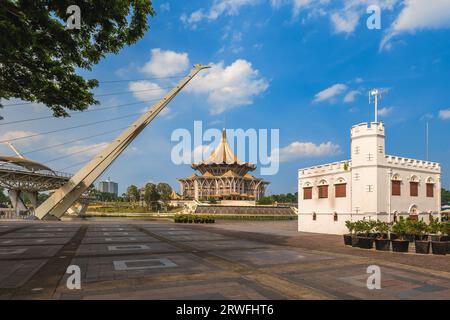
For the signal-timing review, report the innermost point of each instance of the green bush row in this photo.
(193, 218)
(402, 228)
(255, 217)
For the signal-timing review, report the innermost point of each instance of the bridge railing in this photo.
(14, 168)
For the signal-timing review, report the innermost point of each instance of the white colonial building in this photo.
(372, 185)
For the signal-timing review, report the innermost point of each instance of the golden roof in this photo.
(223, 153)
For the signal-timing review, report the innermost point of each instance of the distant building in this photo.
(223, 177)
(108, 186)
(371, 185)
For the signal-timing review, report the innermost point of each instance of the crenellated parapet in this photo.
(412, 163)
(363, 129)
(329, 168)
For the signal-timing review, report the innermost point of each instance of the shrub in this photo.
(400, 228)
(350, 226)
(434, 226)
(382, 228)
(193, 218)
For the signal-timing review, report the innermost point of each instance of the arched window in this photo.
(396, 185)
(430, 187)
(323, 189)
(314, 216)
(414, 186)
(307, 191)
(340, 188)
(335, 216)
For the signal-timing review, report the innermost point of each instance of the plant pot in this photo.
(435, 237)
(355, 241)
(348, 239)
(439, 247)
(365, 243)
(383, 244)
(410, 237)
(422, 247)
(394, 236)
(400, 245)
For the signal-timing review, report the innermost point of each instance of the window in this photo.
(340, 190)
(314, 216)
(335, 216)
(357, 150)
(357, 175)
(307, 193)
(369, 188)
(430, 190)
(370, 157)
(396, 188)
(381, 149)
(323, 192)
(414, 189)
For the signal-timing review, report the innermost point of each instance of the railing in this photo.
(11, 214)
(50, 174)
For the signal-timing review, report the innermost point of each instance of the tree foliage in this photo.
(165, 191)
(133, 193)
(279, 198)
(151, 195)
(445, 196)
(38, 55)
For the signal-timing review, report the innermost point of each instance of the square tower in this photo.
(367, 153)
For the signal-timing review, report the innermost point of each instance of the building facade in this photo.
(223, 177)
(371, 185)
(108, 186)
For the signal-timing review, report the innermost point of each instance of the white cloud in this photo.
(346, 22)
(229, 86)
(219, 8)
(18, 134)
(444, 114)
(330, 92)
(419, 15)
(84, 150)
(297, 150)
(351, 96)
(165, 7)
(166, 63)
(145, 90)
(385, 111)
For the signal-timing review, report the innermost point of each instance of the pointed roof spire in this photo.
(223, 153)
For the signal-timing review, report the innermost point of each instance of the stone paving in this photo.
(129, 259)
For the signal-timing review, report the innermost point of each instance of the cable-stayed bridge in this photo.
(21, 175)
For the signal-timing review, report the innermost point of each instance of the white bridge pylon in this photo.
(63, 198)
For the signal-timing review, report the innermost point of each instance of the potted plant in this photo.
(440, 246)
(366, 241)
(382, 242)
(419, 229)
(348, 237)
(358, 229)
(400, 228)
(434, 227)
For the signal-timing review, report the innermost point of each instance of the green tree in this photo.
(165, 191)
(133, 193)
(39, 55)
(151, 195)
(4, 199)
(445, 196)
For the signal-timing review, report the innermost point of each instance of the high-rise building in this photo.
(108, 186)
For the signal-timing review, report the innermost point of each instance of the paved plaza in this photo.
(135, 259)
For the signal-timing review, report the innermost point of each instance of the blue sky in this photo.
(301, 66)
